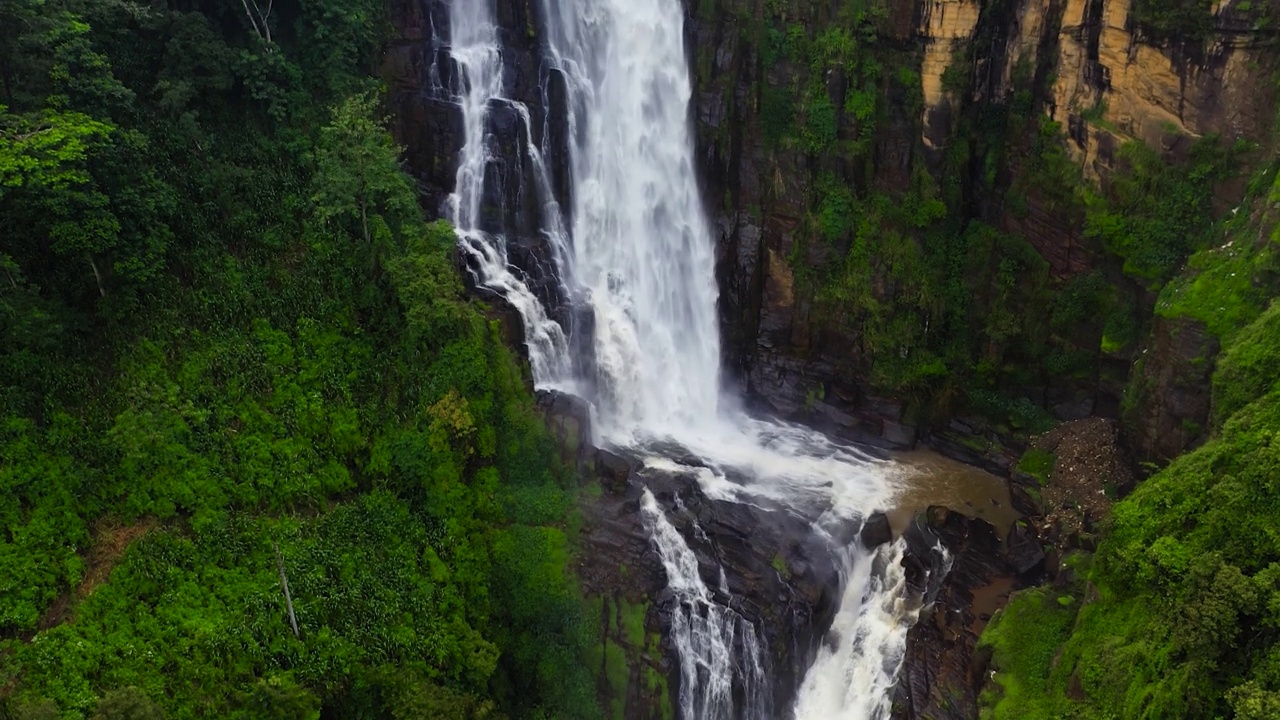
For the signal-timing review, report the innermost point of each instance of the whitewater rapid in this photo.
(638, 249)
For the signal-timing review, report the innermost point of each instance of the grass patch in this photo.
(1038, 464)
(1024, 639)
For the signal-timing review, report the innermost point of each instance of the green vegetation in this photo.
(1181, 618)
(1227, 285)
(1249, 368)
(229, 333)
(1038, 464)
(934, 275)
(1189, 20)
(1154, 214)
(627, 655)
(1026, 636)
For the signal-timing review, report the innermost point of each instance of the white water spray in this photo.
(855, 670)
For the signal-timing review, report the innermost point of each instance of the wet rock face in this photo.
(941, 674)
(425, 90)
(423, 85)
(1173, 389)
(876, 531)
(765, 565)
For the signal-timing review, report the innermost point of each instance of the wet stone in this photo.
(876, 531)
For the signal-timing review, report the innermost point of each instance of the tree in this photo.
(47, 150)
(42, 709)
(260, 19)
(1251, 702)
(358, 171)
(128, 703)
(280, 697)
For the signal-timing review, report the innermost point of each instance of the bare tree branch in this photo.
(102, 290)
(259, 19)
(284, 583)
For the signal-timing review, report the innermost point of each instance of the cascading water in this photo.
(642, 259)
(477, 53)
(642, 246)
(716, 646)
(842, 682)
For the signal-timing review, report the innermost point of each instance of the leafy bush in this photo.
(1037, 464)
(1250, 366)
(1152, 215)
(1175, 20)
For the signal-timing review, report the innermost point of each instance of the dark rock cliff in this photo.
(424, 98)
(776, 575)
(940, 679)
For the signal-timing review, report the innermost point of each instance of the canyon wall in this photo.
(887, 218)
(933, 115)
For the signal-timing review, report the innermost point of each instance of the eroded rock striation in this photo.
(942, 674)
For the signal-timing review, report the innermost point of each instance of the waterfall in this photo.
(876, 605)
(477, 52)
(643, 249)
(716, 647)
(635, 250)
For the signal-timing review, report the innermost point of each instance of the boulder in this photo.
(1023, 550)
(876, 531)
(615, 471)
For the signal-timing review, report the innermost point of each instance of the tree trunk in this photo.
(284, 583)
(102, 290)
(259, 20)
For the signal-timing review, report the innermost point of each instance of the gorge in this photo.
(625, 246)
(805, 330)
(639, 359)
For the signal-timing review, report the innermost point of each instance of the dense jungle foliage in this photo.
(1178, 613)
(232, 349)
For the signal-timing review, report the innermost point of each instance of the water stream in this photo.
(635, 247)
(717, 648)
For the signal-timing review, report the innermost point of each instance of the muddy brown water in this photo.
(933, 479)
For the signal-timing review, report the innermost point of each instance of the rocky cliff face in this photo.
(944, 76)
(424, 98)
(939, 678)
(1154, 90)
